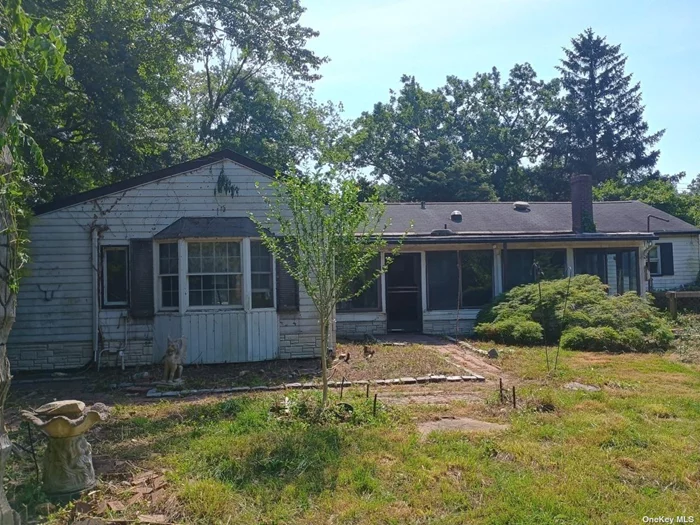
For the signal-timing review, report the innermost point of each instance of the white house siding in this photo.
(686, 262)
(55, 303)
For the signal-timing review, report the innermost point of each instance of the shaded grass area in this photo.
(613, 456)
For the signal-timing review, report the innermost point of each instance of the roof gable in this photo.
(217, 156)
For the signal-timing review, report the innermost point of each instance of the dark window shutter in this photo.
(141, 266)
(287, 291)
(666, 252)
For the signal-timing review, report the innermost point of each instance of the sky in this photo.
(371, 43)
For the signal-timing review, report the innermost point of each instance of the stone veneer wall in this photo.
(358, 329)
(447, 327)
(76, 354)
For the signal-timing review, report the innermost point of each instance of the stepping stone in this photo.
(382, 382)
(408, 380)
(580, 386)
(437, 379)
(239, 389)
(292, 385)
(258, 388)
(276, 387)
(422, 379)
(454, 379)
(361, 382)
(308, 385)
(461, 424)
(153, 393)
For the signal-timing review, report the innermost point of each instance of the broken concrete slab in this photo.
(580, 386)
(461, 424)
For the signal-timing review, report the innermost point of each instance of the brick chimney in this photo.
(582, 204)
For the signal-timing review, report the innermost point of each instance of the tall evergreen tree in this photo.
(603, 128)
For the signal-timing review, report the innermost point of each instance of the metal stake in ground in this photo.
(374, 408)
(500, 389)
(342, 385)
(367, 393)
(513, 396)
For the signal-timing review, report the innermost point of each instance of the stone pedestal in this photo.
(68, 467)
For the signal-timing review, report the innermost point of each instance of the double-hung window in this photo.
(115, 275)
(261, 275)
(168, 275)
(654, 261)
(214, 273)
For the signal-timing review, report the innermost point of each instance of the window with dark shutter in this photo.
(666, 252)
(141, 273)
(287, 290)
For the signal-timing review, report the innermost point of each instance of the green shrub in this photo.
(511, 331)
(534, 314)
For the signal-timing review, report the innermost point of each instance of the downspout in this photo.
(95, 291)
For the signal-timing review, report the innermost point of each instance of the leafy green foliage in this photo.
(593, 320)
(468, 140)
(325, 238)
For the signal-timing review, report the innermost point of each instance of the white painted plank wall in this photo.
(686, 261)
(61, 260)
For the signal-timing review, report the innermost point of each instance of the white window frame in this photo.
(273, 276)
(105, 250)
(657, 259)
(241, 274)
(159, 276)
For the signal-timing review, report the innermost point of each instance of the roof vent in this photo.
(444, 231)
(521, 206)
(456, 216)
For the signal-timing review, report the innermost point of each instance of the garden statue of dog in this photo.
(174, 356)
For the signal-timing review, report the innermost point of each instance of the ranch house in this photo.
(117, 270)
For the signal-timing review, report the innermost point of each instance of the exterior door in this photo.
(404, 311)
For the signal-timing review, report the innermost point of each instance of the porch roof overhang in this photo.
(208, 227)
(520, 238)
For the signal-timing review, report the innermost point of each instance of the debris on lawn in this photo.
(460, 424)
(580, 386)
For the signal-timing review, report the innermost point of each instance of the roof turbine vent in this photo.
(521, 206)
(456, 216)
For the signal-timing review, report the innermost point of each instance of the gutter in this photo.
(486, 239)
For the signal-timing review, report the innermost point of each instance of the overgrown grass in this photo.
(613, 456)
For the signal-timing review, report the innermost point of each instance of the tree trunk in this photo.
(8, 302)
(324, 359)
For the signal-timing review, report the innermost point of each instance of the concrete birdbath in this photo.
(68, 466)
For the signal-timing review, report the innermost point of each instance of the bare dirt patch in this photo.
(461, 424)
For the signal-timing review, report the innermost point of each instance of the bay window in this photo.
(168, 275)
(261, 275)
(214, 273)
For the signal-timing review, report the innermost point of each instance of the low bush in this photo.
(534, 314)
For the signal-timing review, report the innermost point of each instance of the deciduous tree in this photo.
(326, 239)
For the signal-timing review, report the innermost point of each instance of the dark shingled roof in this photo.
(209, 227)
(499, 218)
